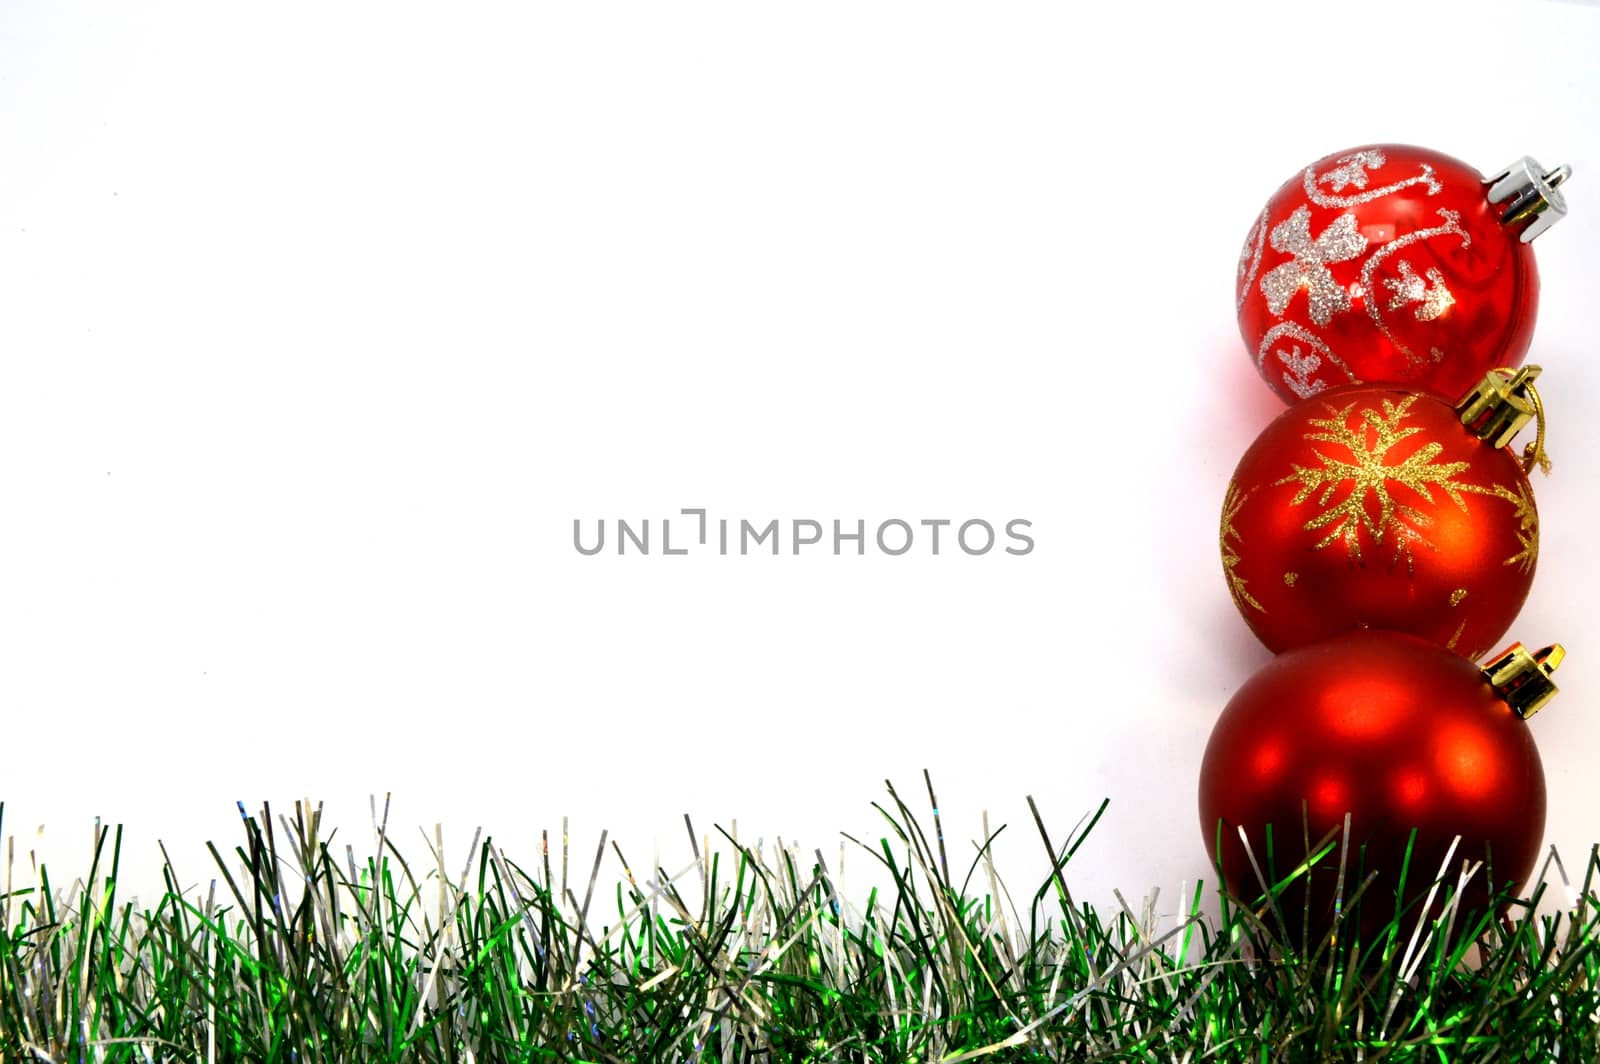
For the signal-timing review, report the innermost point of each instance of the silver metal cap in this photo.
(1527, 194)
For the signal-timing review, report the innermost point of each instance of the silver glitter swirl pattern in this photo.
(1250, 257)
(1451, 227)
(1344, 174)
(1339, 242)
(1299, 367)
(1430, 291)
(1352, 169)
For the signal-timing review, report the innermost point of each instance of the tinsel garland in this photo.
(755, 954)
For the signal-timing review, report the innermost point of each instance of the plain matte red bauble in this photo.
(1397, 732)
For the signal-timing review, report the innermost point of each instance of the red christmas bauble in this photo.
(1393, 730)
(1374, 506)
(1390, 263)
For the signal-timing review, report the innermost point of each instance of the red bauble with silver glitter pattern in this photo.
(1396, 264)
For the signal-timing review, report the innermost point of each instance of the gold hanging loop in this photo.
(1534, 454)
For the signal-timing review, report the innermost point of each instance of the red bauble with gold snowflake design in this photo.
(1375, 506)
(1394, 264)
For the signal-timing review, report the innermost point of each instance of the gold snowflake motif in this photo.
(1527, 525)
(1231, 503)
(1369, 475)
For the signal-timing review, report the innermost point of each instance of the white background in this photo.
(320, 323)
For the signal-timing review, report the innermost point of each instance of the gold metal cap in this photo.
(1498, 408)
(1523, 678)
